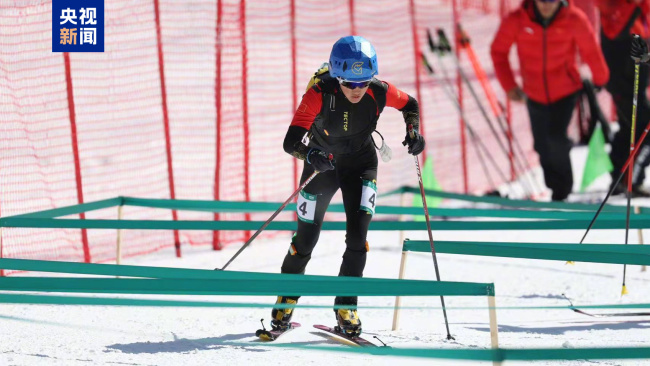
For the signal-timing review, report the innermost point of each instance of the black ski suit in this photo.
(328, 121)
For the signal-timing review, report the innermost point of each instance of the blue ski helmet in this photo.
(353, 58)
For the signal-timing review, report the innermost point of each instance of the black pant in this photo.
(549, 123)
(351, 171)
(621, 143)
(621, 87)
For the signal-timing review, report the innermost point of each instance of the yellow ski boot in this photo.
(348, 322)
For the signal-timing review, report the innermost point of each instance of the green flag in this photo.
(598, 162)
(430, 182)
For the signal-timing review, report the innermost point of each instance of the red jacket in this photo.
(615, 15)
(547, 57)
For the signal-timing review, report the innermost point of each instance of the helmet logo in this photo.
(357, 68)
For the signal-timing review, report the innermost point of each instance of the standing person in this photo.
(337, 116)
(620, 19)
(548, 35)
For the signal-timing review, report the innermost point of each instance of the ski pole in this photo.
(449, 88)
(528, 187)
(444, 46)
(630, 173)
(491, 95)
(449, 91)
(426, 215)
(627, 164)
(611, 189)
(480, 73)
(267, 222)
(473, 135)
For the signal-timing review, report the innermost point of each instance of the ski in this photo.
(273, 334)
(602, 315)
(358, 341)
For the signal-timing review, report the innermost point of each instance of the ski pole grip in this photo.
(462, 36)
(411, 133)
(444, 45)
(432, 45)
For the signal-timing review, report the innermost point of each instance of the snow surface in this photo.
(102, 335)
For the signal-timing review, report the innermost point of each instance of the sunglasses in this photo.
(547, 1)
(354, 84)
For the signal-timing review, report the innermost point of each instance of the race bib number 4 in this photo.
(306, 207)
(368, 196)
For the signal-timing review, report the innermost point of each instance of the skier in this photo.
(331, 131)
(620, 19)
(547, 33)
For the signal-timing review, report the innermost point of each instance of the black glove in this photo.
(639, 49)
(320, 160)
(589, 85)
(416, 144)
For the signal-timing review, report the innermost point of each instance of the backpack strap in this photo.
(321, 73)
(379, 90)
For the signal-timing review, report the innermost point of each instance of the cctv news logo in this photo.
(78, 26)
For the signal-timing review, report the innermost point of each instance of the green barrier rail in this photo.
(499, 354)
(239, 206)
(74, 209)
(122, 301)
(271, 286)
(176, 279)
(461, 354)
(597, 253)
(106, 301)
(181, 273)
(509, 202)
(217, 206)
(635, 223)
(150, 272)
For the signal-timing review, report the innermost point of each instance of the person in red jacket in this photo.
(548, 34)
(620, 19)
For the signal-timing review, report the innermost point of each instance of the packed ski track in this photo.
(103, 335)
